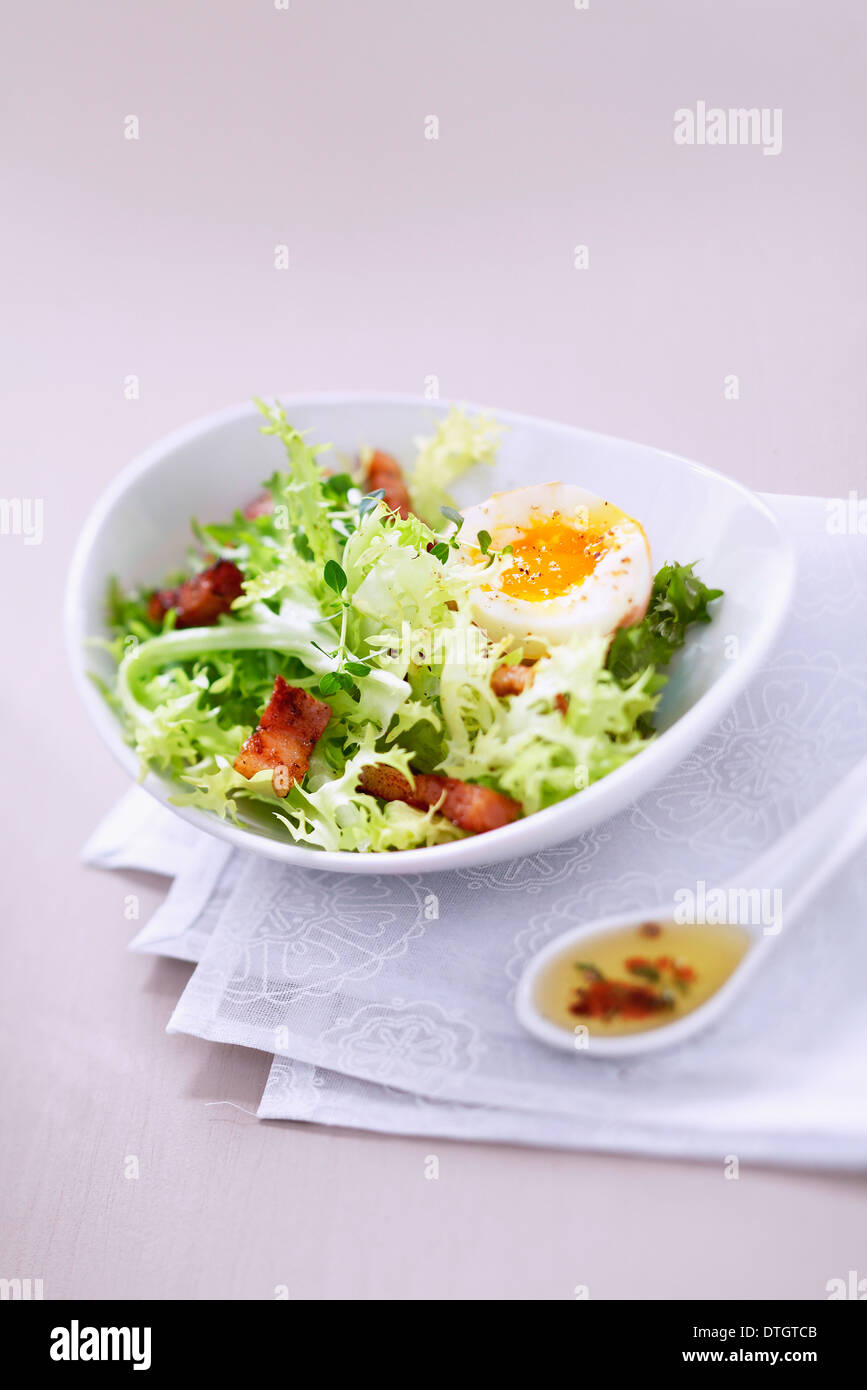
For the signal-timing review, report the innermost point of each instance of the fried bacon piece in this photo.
(261, 505)
(200, 601)
(288, 730)
(511, 680)
(471, 807)
(385, 472)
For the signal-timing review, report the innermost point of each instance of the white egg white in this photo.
(614, 595)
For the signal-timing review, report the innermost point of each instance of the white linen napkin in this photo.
(388, 1000)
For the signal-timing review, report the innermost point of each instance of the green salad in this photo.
(321, 659)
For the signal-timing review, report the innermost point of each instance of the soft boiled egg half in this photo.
(578, 565)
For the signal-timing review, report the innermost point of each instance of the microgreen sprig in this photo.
(347, 668)
(484, 543)
(483, 540)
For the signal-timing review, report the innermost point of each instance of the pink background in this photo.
(409, 258)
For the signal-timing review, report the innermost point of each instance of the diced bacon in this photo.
(261, 505)
(473, 808)
(511, 680)
(287, 733)
(386, 782)
(200, 601)
(385, 472)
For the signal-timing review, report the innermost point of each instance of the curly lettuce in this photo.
(459, 442)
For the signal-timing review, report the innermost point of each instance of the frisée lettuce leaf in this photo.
(678, 599)
(458, 443)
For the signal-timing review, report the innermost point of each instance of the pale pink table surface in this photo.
(409, 258)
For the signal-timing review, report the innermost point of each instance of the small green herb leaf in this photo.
(369, 501)
(334, 576)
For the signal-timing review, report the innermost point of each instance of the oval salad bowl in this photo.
(139, 531)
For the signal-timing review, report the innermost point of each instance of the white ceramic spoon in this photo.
(799, 864)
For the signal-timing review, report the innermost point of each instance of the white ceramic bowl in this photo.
(139, 530)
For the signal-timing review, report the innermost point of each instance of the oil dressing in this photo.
(633, 978)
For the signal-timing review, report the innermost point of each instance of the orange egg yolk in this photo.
(551, 558)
